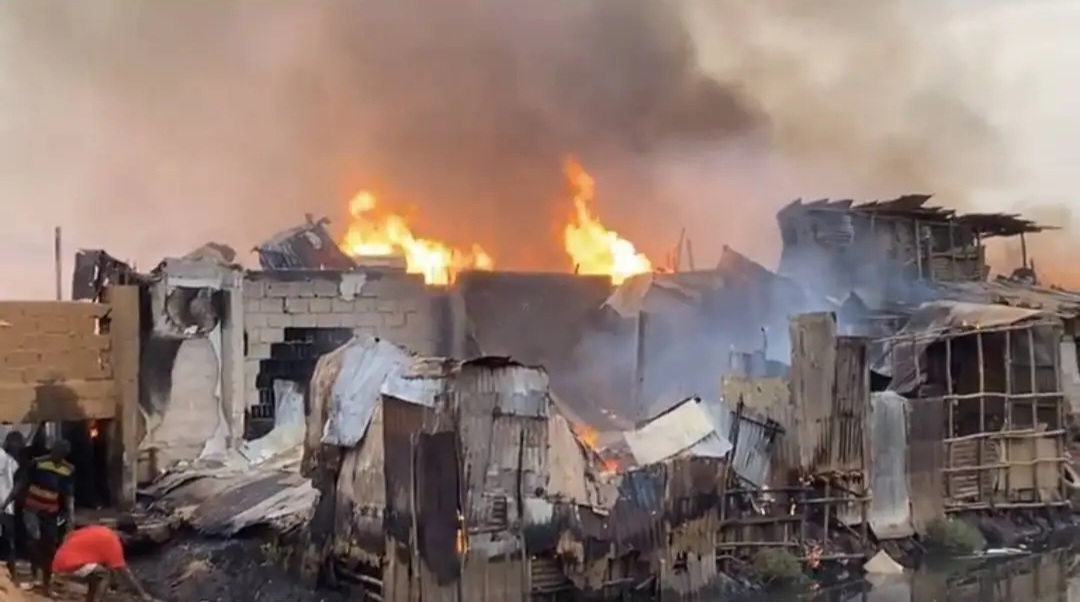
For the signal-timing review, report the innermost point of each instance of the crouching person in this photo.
(95, 555)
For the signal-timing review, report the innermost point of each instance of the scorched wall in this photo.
(391, 305)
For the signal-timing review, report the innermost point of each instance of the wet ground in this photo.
(246, 571)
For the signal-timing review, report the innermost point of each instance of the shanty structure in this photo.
(879, 249)
(987, 409)
(483, 479)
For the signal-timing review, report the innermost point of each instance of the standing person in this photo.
(96, 554)
(14, 443)
(48, 498)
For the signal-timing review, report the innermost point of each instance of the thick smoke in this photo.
(149, 128)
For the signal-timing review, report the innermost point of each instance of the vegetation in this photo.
(953, 538)
(777, 567)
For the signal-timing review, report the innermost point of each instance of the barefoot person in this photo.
(96, 555)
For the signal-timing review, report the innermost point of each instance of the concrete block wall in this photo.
(391, 305)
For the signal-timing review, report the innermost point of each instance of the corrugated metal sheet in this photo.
(283, 500)
(753, 451)
(671, 433)
(366, 363)
(421, 382)
(926, 461)
(361, 497)
(896, 357)
(305, 247)
(890, 507)
(843, 449)
(521, 390)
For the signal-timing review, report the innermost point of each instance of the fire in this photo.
(594, 248)
(390, 235)
(591, 439)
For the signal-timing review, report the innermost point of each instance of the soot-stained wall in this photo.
(391, 305)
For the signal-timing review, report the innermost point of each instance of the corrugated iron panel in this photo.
(890, 507)
(813, 377)
(422, 381)
(753, 451)
(671, 433)
(305, 247)
(361, 497)
(366, 363)
(522, 390)
(926, 451)
(843, 449)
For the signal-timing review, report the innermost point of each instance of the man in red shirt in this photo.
(96, 554)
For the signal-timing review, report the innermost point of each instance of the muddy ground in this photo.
(190, 570)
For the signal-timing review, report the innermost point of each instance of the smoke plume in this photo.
(150, 128)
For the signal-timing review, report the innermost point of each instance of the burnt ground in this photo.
(236, 570)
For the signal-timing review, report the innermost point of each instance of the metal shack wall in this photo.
(813, 377)
(502, 410)
(890, 507)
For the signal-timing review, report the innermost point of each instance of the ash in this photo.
(238, 570)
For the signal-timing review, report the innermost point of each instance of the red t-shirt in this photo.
(89, 545)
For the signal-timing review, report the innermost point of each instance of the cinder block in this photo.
(254, 289)
(297, 305)
(271, 335)
(342, 306)
(307, 320)
(304, 289)
(372, 319)
(254, 320)
(272, 306)
(366, 331)
(259, 351)
(393, 319)
(253, 305)
(330, 320)
(321, 306)
(326, 288)
(280, 290)
(279, 320)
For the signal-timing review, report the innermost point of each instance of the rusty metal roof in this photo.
(308, 246)
(1003, 291)
(915, 207)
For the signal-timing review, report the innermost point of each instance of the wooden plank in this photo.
(62, 400)
(124, 325)
(846, 450)
(813, 376)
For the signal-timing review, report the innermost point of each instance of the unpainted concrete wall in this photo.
(391, 305)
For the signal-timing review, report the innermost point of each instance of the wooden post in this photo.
(1008, 413)
(124, 337)
(639, 366)
(1034, 409)
(982, 419)
(58, 264)
(918, 250)
(948, 405)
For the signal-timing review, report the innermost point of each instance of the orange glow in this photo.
(388, 235)
(590, 439)
(94, 429)
(594, 249)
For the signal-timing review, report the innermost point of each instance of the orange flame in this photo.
(593, 248)
(590, 438)
(94, 432)
(390, 235)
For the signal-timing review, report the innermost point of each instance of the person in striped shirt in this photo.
(48, 499)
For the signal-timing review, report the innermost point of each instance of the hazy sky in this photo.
(139, 174)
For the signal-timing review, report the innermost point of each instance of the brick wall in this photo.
(54, 363)
(389, 304)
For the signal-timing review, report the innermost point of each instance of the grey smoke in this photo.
(149, 128)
